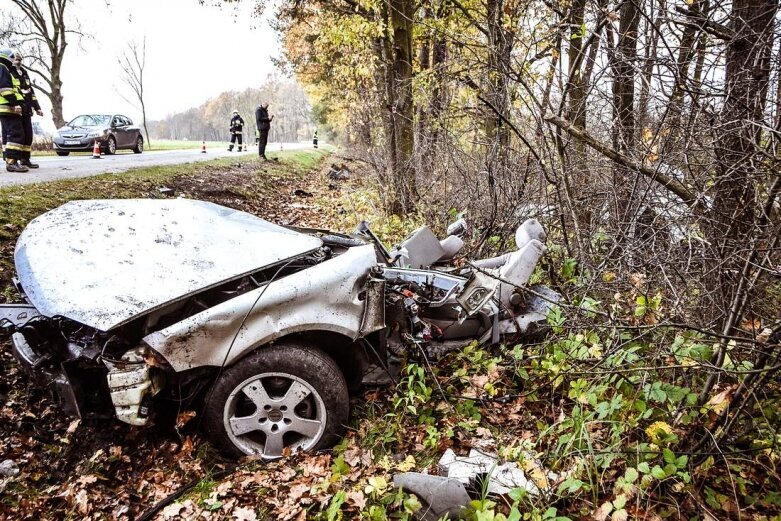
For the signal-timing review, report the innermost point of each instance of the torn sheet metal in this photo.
(103, 263)
(502, 478)
(325, 297)
(374, 314)
(541, 301)
(17, 314)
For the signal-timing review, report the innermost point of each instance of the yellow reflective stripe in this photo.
(15, 146)
(5, 109)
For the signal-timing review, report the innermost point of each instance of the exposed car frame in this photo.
(134, 302)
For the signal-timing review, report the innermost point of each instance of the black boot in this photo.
(12, 165)
(28, 163)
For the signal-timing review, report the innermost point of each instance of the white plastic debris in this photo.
(501, 478)
(9, 468)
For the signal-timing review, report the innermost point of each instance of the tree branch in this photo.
(668, 182)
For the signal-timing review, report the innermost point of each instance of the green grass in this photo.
(18, 204)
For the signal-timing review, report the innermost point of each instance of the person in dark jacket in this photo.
(237, 126)
(11, 101)
(314, 139)
(263, 122)
(29, 107)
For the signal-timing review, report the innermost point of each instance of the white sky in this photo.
(194, 52)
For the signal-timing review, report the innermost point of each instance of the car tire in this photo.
(287, 396)
(61, 153)
(139, 148)
(111, 146)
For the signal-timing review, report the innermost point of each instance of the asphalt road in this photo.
(55, 167)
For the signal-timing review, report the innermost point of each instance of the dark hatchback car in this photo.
(111, 132)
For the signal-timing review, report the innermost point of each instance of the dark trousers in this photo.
(13, 137)
(234, 137)
(27, 140)
(262, 143)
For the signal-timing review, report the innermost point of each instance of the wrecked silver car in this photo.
(133, 304)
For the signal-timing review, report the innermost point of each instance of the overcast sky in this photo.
(194, 52)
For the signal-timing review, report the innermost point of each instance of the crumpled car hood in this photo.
(104, 262)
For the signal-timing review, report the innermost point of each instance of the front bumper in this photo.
(84, 144)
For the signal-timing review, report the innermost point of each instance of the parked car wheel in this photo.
(61, 153)
(111, 146)
(139, 145)
(287, 396)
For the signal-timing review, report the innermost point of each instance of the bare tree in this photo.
(41, 33)
(133, 63)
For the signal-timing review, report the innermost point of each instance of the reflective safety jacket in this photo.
(10, 94)
(237, 124)
(30, 104)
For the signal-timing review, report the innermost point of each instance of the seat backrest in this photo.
(519, 268)
(421, 249)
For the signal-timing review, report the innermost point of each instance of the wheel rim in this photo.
(140, 144)
(270, 412)
(112, 145)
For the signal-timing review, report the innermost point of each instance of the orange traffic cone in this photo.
(203, 148)
(96, 150)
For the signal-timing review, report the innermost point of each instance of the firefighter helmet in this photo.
(6, 54)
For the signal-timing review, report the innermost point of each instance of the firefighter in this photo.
(30, 105)
(11, 107)
(237, 124)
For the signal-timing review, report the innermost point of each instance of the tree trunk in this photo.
(500, 44)
(423, 135)
(738, 150)
(747, 78)
(686, 53)
(624, 98)
(47, 27)
(576, 109)
(624, 80)
(55, 96)
(653, 25)
(401, 25)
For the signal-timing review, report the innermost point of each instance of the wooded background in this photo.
(211, 121)
(643, 133)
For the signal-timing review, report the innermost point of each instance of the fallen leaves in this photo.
(183, 418)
